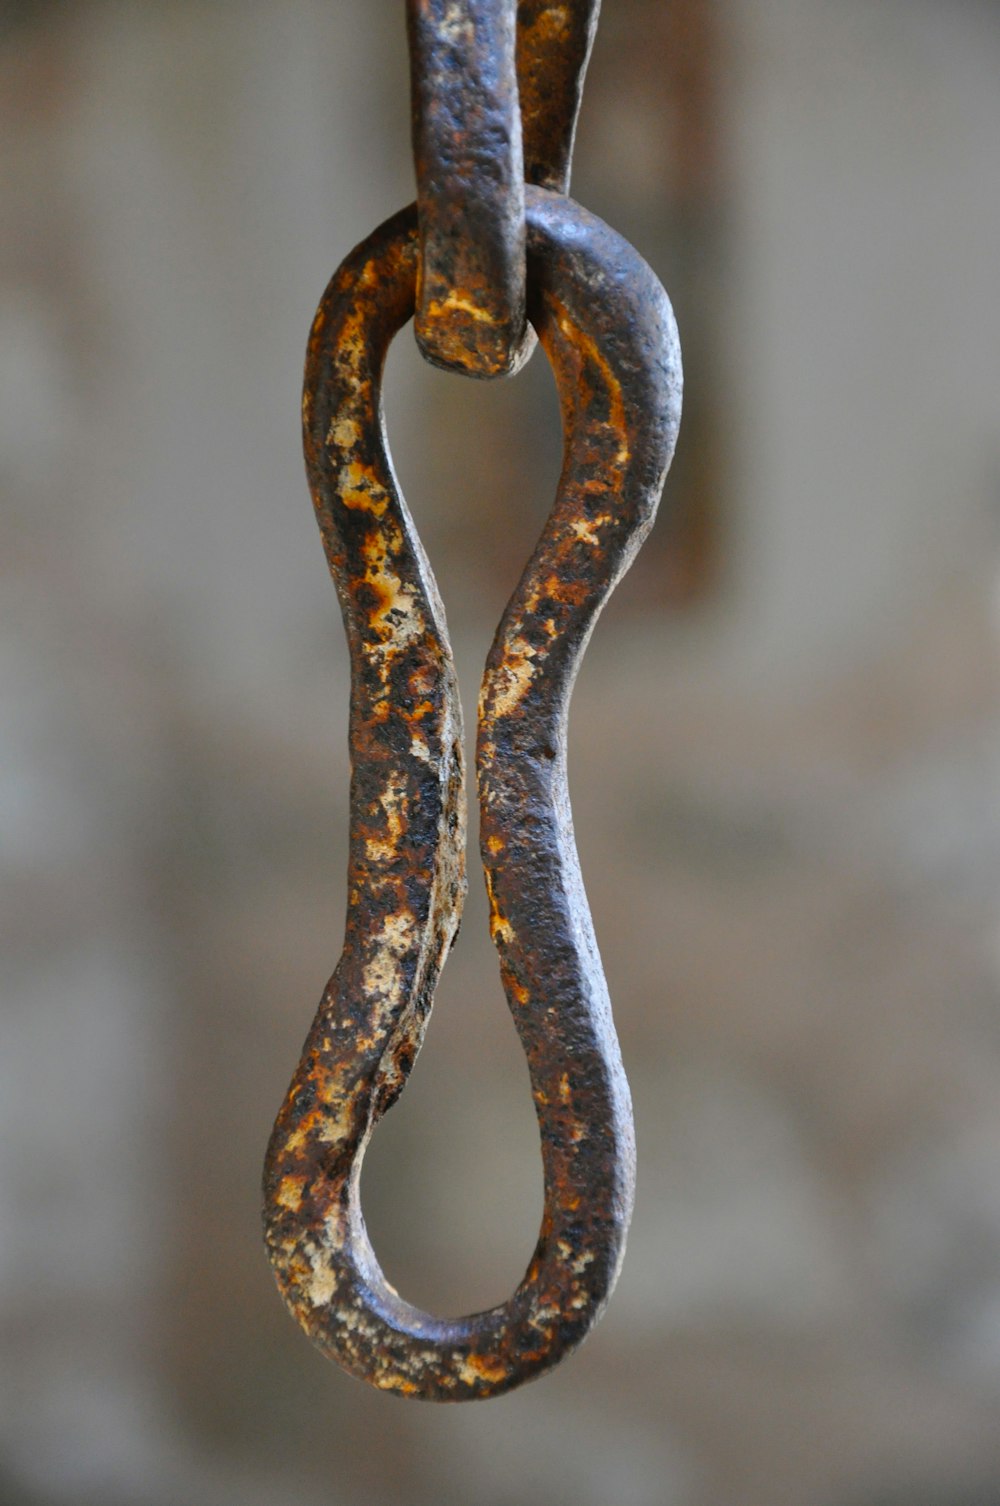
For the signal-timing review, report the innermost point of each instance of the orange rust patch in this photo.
(360, 490)
(387, 1380)
(290, 1192)
(501, 929)
(489, 1366)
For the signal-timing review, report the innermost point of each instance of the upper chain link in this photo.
(494, 106)
(605, 323)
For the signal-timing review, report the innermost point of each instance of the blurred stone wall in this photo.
(785, 796)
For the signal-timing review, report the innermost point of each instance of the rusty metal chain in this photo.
(606, 326)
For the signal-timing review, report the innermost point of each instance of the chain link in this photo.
(478, 82)
(606, 326)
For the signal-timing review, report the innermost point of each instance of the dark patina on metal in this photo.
(606, 325)
(553, 49)
(478, 82)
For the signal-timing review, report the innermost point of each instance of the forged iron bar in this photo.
(470, 65)
(607, 328)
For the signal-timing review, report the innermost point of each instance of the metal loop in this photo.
(606, 325)
(467, 68)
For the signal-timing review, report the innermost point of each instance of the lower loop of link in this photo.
(607, 328)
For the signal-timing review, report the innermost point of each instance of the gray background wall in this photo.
(785, 792)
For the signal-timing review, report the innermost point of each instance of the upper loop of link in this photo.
(478, 82)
